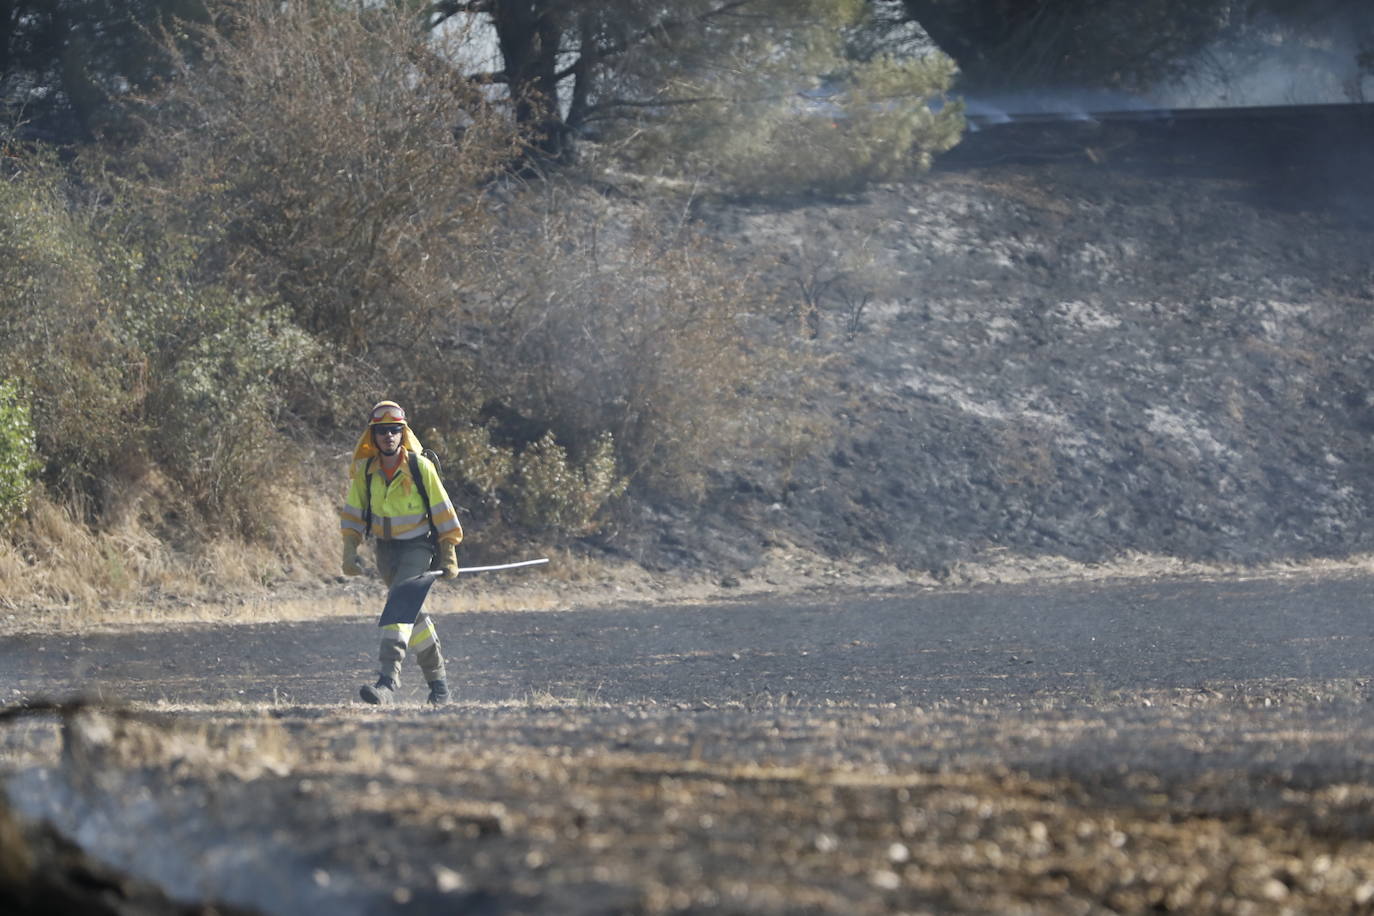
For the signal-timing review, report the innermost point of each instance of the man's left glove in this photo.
(448, 559)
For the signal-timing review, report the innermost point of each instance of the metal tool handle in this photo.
(476, 569)
(472, 569)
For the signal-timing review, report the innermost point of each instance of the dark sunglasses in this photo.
(388, 430)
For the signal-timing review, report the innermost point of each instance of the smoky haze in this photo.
(1263, 64)
(1267, 65)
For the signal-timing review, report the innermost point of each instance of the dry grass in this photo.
(1003, 567)
(55, 570)
(58, 574)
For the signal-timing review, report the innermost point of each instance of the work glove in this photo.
(448, 559)
(350, 558)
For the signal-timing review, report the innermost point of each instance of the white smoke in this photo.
(1260, 62)
(1268, 63)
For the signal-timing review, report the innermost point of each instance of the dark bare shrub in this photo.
(599, 321)
(330, 157)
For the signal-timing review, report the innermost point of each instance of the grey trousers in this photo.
(397, 561)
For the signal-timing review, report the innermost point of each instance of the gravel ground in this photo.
(1192, 746)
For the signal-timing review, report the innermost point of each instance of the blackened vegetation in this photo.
(1089, 338)
(1323, 152)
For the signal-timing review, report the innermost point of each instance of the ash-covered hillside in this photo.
(1078, 340)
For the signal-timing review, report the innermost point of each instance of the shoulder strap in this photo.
(420, 485)
(367, 498)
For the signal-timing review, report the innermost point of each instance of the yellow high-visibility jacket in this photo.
(398, 512)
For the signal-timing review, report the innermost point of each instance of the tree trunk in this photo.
(528, 33)
(972, 31)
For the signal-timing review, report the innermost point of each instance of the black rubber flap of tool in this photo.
(404, 600)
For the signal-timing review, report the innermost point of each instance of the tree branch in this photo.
(444, 9)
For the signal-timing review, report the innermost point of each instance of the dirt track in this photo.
(1198, 746)
(998, 643)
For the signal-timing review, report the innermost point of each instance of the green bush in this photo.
(539, 488)
(474, 460)
(62, 340)
(553, 493)
(18, 463)
(879, 128)
(748, 131)
(217, 406)
(131, 356)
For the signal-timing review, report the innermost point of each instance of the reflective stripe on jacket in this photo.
(398, 512)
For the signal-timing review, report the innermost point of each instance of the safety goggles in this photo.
(388, 412)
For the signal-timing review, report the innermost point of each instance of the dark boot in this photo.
(438, 693)
(379, 694)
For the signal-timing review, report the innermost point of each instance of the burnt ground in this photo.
(1200, 746)
(1075, 339)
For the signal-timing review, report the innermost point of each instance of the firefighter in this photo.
(395, 495)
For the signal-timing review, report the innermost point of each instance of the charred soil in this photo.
(1075, 340)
